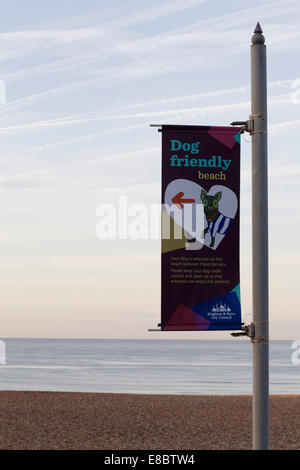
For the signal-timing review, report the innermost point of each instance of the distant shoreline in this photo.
(110, 421)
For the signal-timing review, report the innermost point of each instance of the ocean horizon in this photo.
(148, 366)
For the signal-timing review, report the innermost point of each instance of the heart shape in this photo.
(207, 222)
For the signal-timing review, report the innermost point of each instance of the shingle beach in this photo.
(64, 420)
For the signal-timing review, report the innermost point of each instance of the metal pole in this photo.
(260, 241)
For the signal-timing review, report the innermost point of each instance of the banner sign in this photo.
(200, 228)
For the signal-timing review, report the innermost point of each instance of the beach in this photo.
(70, 420)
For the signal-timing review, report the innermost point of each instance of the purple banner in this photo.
(200, 228)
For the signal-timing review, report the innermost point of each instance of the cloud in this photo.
(180, 112)
(42, 171)
(79, 34)
(274, 129)
(159, 11)
(61, 143)
(37, 98)
(31, 40)
(142, 67)
(199, 110)
(151, 56)
(134, 50)
(193, 34)
(55, 35)
(208, 94)
(281, 127)
(246, 16)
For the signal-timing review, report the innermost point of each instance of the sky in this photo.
(83, 82)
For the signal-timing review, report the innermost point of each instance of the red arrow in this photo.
(179, 201)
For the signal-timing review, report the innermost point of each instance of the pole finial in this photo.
(258, 28)
(258, 37)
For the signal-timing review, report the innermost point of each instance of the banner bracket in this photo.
(247, 330)
(246, 126)
(157, 125)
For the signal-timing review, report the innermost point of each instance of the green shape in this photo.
(237, 290)
(170, 227)
(237, 137)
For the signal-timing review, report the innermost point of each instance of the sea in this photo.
(164, 366)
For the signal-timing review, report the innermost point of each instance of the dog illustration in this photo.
(217, 222)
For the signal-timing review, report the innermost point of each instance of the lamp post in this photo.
(260, 241)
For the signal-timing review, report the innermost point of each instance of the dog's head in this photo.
(211, 203)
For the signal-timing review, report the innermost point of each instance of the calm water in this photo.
(142, 366)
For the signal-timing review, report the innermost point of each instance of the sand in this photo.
(63, 420)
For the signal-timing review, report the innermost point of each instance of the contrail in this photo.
(79, 163)
(68, 121)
